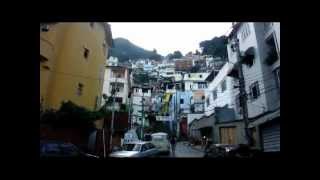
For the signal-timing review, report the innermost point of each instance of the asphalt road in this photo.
(184, 151)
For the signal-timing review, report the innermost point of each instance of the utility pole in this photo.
(129, 113)
(112, 120)
(243, 94)
(104, 127)
(142, 115)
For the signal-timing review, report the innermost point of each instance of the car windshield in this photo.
(158, 138)
(131, 147)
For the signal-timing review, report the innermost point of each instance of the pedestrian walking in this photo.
(204, 141)
(173, 144)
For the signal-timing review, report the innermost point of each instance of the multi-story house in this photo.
(259, 45)
(183, 64)
(167, 70)
(72, 60)
(221, 108)
(117, 78)
(141, 105)
(112, 61)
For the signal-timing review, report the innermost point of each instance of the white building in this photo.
(261, 79)
(141, 104)
(117, 77)
(195, 81)
(112, 61)
(221, 91)
(259, 45)
(167, 70)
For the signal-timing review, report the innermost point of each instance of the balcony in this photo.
(272, 54)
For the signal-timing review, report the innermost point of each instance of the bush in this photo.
(71, 115)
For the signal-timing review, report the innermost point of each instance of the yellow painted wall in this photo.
(70, 67)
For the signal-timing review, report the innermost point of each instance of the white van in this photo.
(160, 140)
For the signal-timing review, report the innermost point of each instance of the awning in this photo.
(265, 118)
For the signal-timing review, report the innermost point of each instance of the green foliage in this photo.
(175, 55)
(216, 47)
(125, 50)
(71, 115)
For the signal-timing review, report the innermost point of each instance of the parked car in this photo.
(56, 149)
(230, 151)
(136, 149)
(160, 140)
(218, 150)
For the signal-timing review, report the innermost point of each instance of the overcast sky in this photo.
(168, 37)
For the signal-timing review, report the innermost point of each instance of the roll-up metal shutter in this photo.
(271, 138)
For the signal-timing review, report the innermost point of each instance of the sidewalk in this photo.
(196, 147)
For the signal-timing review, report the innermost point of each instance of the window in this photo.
(144, 148)
(254, 90)
(43, 59)
(202, 85)
(214, 94)
(200, 75)
(181, 101)
(80, 89)
(189, 75)
(208, 102)
(86, 53)
(151, 146)
(223, 86)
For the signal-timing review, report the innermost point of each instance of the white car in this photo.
(136, 149)
(160, 140)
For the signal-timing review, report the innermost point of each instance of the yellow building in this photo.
(72, 63)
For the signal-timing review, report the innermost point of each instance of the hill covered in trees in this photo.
(217, 47)
(124, 50)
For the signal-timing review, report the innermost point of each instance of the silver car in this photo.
(136, 149)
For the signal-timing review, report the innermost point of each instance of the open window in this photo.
(86, 53)
(248, 57)
(254, 90)
(43, 59)
(272, 55)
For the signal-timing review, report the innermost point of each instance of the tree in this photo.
(154, 51)
(216, 47)
(176, 54)
(189, 53)
(197, 52)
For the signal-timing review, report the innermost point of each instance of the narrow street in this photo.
(185, 151)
